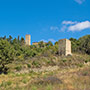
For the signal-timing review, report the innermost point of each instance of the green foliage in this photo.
(85, 44)
(18, 68)
(28, 65)
(22, 40)
(49, 43)
(82, 45)
(36, 64)
(75, 44)
(56, 43)
(85, 73)
(49, 87)
(33, 88)
(15, 49)
(87, 60)
(64, 60)
(80, 65)
(7, 54)
(25, 81)
(5, 84)
(41, 44)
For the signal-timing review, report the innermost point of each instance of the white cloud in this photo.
(79, 26)
(66, 24)
(53, 28)
(63, 28)
(79, 1)
(72, 26)
(69, 22)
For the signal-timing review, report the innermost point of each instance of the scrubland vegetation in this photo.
(41, 68)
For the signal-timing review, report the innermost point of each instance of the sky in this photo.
(47, 20)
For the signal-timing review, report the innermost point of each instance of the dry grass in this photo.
(65, 78)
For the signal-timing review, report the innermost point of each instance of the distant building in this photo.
(65, 47)
(28, 39)
(35, 43)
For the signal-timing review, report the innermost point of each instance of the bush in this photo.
(29, 65)
(85, 73)
(46, 53)
(88, 60)
(80, 65)
(36, 64)
(7, 54)
(64, 60)
(18, 68)
(5, 84)
(24, 81)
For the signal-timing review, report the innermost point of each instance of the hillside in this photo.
(44, 73)
(42, 68)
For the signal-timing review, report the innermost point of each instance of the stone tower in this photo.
(65, 47)
(28, 40)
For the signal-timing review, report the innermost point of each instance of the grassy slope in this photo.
(67, 77)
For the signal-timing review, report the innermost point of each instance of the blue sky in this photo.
(45, 19)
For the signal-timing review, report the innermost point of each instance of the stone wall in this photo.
(35, 43)
(64, 47)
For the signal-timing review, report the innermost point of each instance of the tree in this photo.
(49, 43)
(22, 41)
(4, 37)
(41, 44)
(74, 44)
(7, 54)
(14, 41)
(56, 43)
(10, 38)
(85, 44)
(81, 45)
(18, 38)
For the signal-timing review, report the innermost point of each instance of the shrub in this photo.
(64, 60)
(88, 60)
(18, 68)
(80, 65)
(9, 83)
(24, 81)
(85, 73)
(36, 64)
(33, 88)
(5, 84)
(46, 53)
(28, 65)
(7, 54)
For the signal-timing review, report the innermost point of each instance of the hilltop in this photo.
(39, 67)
